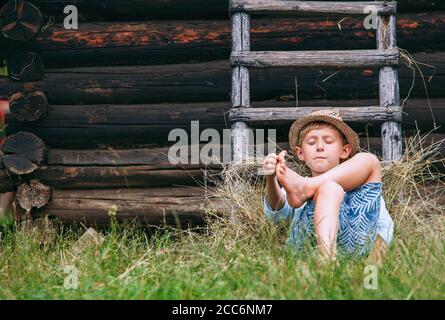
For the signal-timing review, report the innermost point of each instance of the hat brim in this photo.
(350, 135)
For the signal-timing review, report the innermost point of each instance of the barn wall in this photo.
(135, 70)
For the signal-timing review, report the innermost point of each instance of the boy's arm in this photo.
(276, 206)
(274, 194)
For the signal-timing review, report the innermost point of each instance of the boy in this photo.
(341, 203)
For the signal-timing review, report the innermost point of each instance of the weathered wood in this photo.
(157, 158)
(92, 126)
(23, 153)
(240, 86)
(28, 106)
(102, 169)
(333, 7)
(317, 59)
(33, 194)
(389, 90)
(25, 66)
(167, 42)
(20, 20)
(124, 10)
(212, 82)
(176, 206)
(285, 116)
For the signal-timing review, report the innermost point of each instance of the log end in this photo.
(25, 66)
(33, 194)
(23, 153)
(28, 106)
(20, 20)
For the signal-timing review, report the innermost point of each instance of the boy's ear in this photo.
(299, 153)
(346, 151)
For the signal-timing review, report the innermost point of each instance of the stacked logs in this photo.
(98, 103)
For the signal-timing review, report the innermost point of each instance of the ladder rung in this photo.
(340, 7)
(278, 116)
(311, 59)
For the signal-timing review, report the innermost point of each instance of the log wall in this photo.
(112, 90)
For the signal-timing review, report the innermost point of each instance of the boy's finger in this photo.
(282, 154)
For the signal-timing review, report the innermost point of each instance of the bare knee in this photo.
(330, 188)
(368, 158)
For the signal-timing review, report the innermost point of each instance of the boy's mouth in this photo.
(317, 158)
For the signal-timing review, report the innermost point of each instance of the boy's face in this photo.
(322, 149)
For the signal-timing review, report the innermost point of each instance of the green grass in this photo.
(241, 256)
(133, 264)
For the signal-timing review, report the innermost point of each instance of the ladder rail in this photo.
(317, 59)
(389, 95)
(337, 7)
(240, 94)
(284, 116)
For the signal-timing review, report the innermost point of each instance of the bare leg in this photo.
(360, 169)
(328, 199)
(378, 252)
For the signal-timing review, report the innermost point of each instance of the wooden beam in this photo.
(285, 116)
(317, 59)
(333, 7)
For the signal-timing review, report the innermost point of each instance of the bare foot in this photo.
(297, 188)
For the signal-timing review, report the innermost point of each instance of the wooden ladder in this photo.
(386, 57)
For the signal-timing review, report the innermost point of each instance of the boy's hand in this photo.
(270, 164)
(271, 161)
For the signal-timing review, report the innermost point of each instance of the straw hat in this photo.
(331, 116)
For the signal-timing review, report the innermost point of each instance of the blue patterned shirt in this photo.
(385, 225)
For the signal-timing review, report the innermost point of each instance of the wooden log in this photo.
(25, 66)
(316, 59)
(128, 126)
(337, 7)
(20, 20)
(122, 10)
(212, 82)
(183, 41)
(33, 194)
(22, 153)
(28, 106)
(102, 169)
(175, 206)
